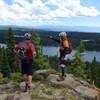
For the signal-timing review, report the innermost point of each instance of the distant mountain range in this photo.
(70, 28)
(56, 28)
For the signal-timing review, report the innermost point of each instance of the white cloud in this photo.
(1, 3)
(17, 8)
(7, 14)
(39, 11)
(38, 4)
(89, 11)
(61, 13)
(70, 8)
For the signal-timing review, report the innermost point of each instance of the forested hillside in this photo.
(75, 37)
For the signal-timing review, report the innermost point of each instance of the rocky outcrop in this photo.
(81, 88)
(48, 88)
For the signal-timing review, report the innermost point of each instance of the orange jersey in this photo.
(63, 44)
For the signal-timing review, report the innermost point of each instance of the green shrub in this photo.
(16, 77)
(37, 77)
(40, 61)
(3, 80)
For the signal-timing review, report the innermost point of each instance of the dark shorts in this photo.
(26, 67)
(61, 61)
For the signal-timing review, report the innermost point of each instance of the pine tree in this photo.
(77, 67)
(4, 66)
(10, 47)
(0, 53)
(81, 47)
(0, 57)
(95, 72)
(40, 60)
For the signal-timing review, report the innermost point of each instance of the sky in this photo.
(50, 12)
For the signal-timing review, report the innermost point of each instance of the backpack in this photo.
(26, 50)
(22, 52)
(69, 49)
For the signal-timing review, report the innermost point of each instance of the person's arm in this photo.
(56, 40)
(32, 48)
(34, 52)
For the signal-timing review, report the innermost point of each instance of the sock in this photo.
(63, 71)
(26, 85)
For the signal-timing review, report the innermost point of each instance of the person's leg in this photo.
(25, 78)
(29, 74)
(24, 72)
(26, 81)
(29, 80)
(62, 66)
(63, 71)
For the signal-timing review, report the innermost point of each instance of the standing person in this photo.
(26, 52)
(64, 50)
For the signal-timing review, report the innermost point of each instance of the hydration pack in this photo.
(69, 49)
(23, 53)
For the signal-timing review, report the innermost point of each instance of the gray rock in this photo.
(42, 71)
(68, 82)
(3, 96)
(25, 96)
(17, 97)
(81, 88)
(88, 92)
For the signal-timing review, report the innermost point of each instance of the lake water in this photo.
(3, 45)
(86, 56)
(53, 51)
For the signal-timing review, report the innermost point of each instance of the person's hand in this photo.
(34, 54)
(62, 59)
(15, 51)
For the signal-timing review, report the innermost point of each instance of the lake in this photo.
(3, 45)
(86, 56)
(53, 51)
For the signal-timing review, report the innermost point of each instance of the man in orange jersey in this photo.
(64, 50)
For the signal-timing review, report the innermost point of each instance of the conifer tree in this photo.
(40, 60)
(4, 65)
(77, 66)
(0, 57)
(81, 47)
(0, 53)
(95, 72)
(10, 46)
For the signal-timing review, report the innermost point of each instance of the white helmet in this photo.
(27, 36)
(63, 34)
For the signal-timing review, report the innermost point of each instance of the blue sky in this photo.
(50, 12)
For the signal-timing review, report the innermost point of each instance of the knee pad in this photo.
(62, 65)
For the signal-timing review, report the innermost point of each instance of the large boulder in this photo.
(88, 93)
(43, 74)
(80, 87)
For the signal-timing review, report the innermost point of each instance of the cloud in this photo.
(89, 11)
(71, 8)
(39, 11)
(1, 3)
